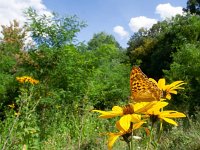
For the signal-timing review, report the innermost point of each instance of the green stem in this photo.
(160, 131)
(131, 141)
(150, 138)
(129, 145)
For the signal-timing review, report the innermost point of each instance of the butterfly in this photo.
(142, 89)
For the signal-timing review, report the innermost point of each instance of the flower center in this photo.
(154, 118)
(128, 109)
(164, 94)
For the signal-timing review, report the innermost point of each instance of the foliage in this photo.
(109, 77)
(11, 45)
(153, 48)
(52, 30)
(193, 7)
(100, 39)
(185, 66)
(182, 137)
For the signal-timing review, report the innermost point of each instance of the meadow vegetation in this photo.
(48, 89)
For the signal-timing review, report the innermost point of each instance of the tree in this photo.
(101, 39)
(193, 7)
(153, 48)
(171, 49)
(109, 80)
(52, 30)
(185, 66)
(13, 38)
(11, 47)
(144, 44)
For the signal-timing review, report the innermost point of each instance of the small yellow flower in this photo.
(24, 147)
(168, 89)
(155, 114)
(12, 105)
(58, 106)
(27, 79)
(17, 114)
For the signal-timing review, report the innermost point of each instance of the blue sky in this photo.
(120, 18)
(104, 15)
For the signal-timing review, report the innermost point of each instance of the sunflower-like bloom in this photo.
(129, 114)
(155, 114)
(27, 79)
(169, 88)
(126, 110)
(125, 128)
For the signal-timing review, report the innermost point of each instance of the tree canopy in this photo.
(193, 7)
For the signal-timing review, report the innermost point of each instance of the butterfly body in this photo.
(142, 89)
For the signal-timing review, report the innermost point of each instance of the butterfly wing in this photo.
(143, 90)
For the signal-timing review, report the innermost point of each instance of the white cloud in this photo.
(121, 32)
(13, 9)
(141, 22)
(167, 10)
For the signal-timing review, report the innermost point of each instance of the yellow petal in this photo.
(168, 96)
(170, 121)
(158, 106)
(138, 125)
(177, 83)
(112, 138)
(106, 114)
(172, 114)
(173, 91)
(144, 106)
(135, 118)
(176, 87)
(167, 87)
(161, 84)
(152, 80)
(116, 111)
(138, 106)
(124, 122)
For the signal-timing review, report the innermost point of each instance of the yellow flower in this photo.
(155, 114)
(125, 128)
(12, 105)
(128, 109)
(58, 106)
(130, 113)
(168, 89)
(27, 79)
(17, 114)
(128, 122)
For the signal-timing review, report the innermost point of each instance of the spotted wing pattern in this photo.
(142, 89)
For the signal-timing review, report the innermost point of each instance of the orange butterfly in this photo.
(142, 89)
